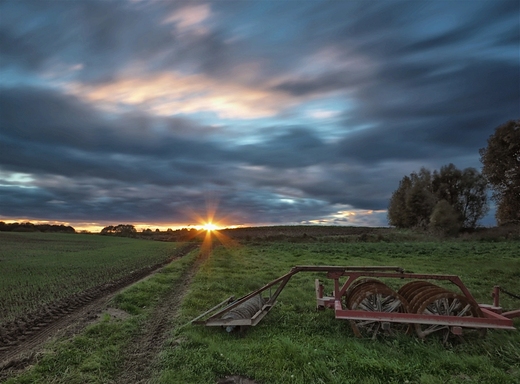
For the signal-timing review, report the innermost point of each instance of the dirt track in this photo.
(21, 339)
(143, 350)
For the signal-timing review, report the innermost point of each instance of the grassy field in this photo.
(295, 343)
(39, 268)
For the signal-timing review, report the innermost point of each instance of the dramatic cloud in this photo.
(278, 112)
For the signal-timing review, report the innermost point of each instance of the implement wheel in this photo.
(444, 304)
(375, 296)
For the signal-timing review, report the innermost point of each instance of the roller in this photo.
(246, 310)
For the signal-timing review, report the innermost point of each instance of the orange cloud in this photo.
(173, 93)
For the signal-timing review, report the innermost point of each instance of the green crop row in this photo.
(37, 269)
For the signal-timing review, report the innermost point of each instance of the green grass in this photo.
(39, 268)
(296, 344)
(97, 355)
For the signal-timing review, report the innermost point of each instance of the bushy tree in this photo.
(414, 202)
(501, 160)
(445, 219)
(464, 190)
(472, 202)
(421, 199)
(398, 212)
(124, 230)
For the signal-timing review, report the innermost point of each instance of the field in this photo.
(294, 343)
(41, 268)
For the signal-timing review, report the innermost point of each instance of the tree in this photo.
(398, 213)
(414, 202)
(446, 183)
(109, 230)
(464, 190)
(501, 167)
(472, 202)
(124, 230)
(421, 200)
(147, 232)
(445, 219)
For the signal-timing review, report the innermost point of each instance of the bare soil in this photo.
(21, 339)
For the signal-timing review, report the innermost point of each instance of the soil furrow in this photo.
(21, 338)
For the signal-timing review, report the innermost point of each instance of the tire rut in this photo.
(20, 339)
(142, 351)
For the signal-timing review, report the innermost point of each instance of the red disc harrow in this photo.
(372, 307)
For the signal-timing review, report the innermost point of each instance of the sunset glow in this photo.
(210, 227)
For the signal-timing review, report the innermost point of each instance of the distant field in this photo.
(39, 268)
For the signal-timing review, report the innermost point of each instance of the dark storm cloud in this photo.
(74, 153)
(89, 170)
(439, 117)
(49, 118)
(415, 83)
(105, 37)
(423, 106)
(289, 148)
(321, 84)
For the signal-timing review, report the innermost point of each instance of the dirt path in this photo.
(144, 348)
(20, 340)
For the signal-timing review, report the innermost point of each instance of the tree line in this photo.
(30, 227)
(129, 230)
(450, 199)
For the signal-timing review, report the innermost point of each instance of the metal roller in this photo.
(246, 310)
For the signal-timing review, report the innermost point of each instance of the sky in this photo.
(160, 113)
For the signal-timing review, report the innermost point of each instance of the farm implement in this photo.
(372, 307)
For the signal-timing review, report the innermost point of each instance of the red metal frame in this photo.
(490, 316)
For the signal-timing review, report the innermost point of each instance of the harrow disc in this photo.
(446, 304)
(409, 290)
(422, 294)
(361, 285)
(375, 296)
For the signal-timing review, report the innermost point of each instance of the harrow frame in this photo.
(489, 316)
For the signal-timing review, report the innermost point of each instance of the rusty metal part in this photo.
(421, 296)
(359, 287)
(443, 304)
(403, 291)
(496, 308)
(408, 290)
(375, 296)
(351, 289)
(246, 310)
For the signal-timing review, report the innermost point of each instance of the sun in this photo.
(209, 227)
